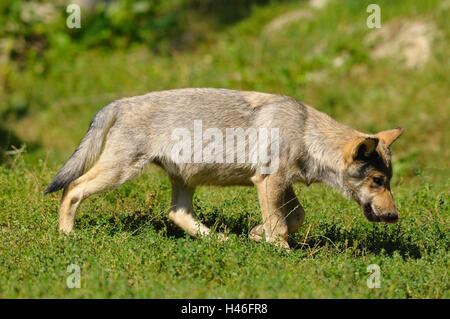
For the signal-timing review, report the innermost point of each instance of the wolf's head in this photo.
(367, 175)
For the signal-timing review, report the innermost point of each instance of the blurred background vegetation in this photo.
(54, 79)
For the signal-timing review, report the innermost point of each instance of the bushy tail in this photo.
(88, 150)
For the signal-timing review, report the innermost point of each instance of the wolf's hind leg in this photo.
(103, 175)
(181, 210)
(293, 212)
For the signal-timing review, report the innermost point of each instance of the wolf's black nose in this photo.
(391, 217)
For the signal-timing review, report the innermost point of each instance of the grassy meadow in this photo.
(327, 57)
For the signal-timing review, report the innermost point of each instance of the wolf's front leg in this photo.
(271, 193)
(293, 212)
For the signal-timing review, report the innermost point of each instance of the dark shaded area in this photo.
(10, 142)
(132, 223)
(220, 221)
(7, 138)
(226, 11)
(138, 221)
(377, 240)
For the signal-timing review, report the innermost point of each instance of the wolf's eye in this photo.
(378, 181)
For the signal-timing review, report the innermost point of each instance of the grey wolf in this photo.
(130, 133)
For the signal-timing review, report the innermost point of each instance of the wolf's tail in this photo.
(88, 150)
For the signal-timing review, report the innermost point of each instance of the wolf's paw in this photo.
(65, 230)
(257, 233)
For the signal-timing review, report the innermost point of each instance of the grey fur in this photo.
(142, 129)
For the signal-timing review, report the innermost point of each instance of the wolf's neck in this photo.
(324, 142)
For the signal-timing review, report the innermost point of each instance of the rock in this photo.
(318, 4)
(38, 12)
(408, 40)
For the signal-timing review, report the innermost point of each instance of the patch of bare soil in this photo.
(286, 19)
(409, 41)
(318, 4)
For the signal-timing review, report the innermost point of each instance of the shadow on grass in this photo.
(134, 223)
(375, 239)
(365, 238)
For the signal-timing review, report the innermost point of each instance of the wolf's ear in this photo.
(388, 137)
(360, 147)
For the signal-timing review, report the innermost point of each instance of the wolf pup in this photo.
(130, 133)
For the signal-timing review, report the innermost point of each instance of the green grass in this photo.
(124, 243)
(126, 246)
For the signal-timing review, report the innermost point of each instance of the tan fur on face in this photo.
(384, 201)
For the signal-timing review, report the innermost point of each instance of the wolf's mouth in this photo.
(373, 217)
(369, 213)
